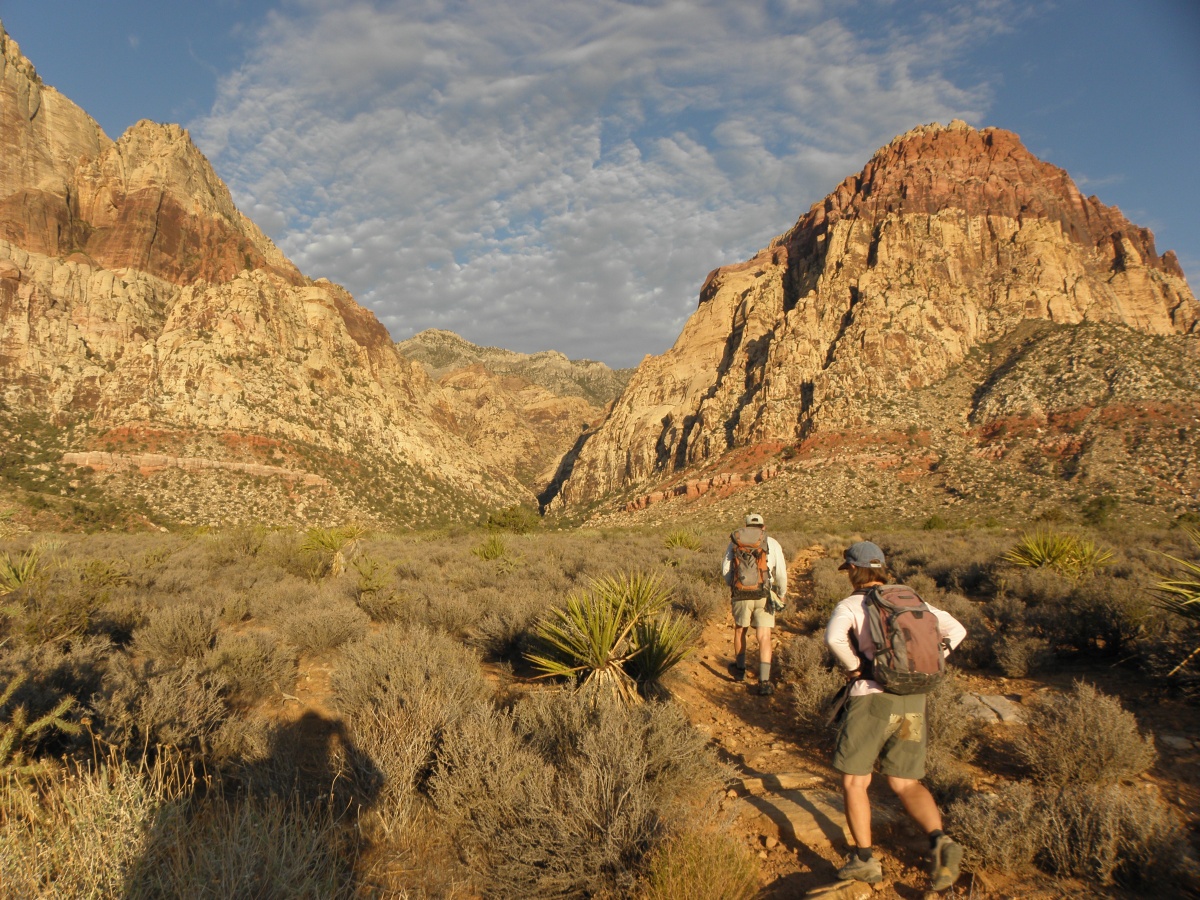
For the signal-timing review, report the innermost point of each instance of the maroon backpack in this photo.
(908, 645)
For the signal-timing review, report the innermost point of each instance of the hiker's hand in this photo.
(853, 674)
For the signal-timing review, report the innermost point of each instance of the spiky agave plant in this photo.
(662, 643)
(593, 639)
(1181, 596)
(1064, 553)
(16, 572)
(19, 736)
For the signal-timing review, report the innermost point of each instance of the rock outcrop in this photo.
(948, 239)
(134, 296)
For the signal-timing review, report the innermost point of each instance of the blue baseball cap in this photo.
(864, 555)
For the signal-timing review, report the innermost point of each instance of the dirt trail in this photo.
(787, 801)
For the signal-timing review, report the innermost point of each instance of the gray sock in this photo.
(764, 671)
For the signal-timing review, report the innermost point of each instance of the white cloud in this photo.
(564, 173)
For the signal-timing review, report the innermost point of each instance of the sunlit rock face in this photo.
(134, 295)
(948, 239)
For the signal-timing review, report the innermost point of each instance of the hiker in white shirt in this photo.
(890, 729)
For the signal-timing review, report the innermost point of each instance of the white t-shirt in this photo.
(847, 637)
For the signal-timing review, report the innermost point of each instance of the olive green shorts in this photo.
(884, 727)
(752, 613)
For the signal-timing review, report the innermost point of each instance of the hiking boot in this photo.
(766, 688)
(856, 870)
(943, 870)
(739, 674)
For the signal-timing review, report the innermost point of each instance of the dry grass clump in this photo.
(140, 832)
(1004, 831)
(700, 865)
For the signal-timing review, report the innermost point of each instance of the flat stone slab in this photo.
(991, 709)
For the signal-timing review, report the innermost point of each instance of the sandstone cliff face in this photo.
(135, 296)
(948, 239)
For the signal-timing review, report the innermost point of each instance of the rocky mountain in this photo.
(909, 279)
(444, 351)
(157, 350)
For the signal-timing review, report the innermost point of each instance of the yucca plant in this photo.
(1065, 553)
(16, 572)
(331, 547)
(493, 548)
(1181, 596)
(683, 538)
(595, 637)
(661, 644)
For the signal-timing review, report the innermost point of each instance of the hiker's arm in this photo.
(727, 565)
(837, 639)
(778, 567)
(949, 628)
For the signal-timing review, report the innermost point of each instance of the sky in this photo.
(563, 174)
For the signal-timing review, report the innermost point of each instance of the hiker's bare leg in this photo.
(858, 808)
(764, 644)
(918, 802)
(739, 642)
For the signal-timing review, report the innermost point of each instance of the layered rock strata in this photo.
(948, 239)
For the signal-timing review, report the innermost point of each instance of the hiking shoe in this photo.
(765, 688)
(738, 674)
(943, 871)
(856, 870)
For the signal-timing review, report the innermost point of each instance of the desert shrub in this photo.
(702, 865)
(1019, 653)
(238, 543)
(1102, 616)
(140, 709)
(952, 741)
(829, 587)
(252, 665)
(957, 561)
(1179, 595)
(517, 519)
(176, 633)
(1083, 736)
(1003, 831)
(400, 691)
(78, 834)
(702, 599)
(276, 603)
(325, 624)
(809, 668)
(575, 808)
(1038, 587)
(1112, 833)
(236, 846)
(1005, 612)
(373, 590)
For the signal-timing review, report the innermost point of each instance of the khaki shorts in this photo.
(884, 727)
(752, 613)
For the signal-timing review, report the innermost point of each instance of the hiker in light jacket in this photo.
(883, 727)
(752, 609)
